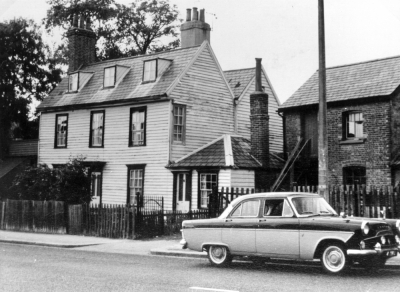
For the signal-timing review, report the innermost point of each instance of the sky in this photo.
(284, 33)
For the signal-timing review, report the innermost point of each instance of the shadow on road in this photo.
(301, 268)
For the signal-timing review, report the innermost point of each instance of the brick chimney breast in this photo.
(194, 31)
(82, 44)
(259, 131)
(259, 120)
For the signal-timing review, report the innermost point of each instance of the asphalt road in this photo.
(34, 268)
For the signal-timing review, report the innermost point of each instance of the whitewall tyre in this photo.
(219, 255)
(333, 259)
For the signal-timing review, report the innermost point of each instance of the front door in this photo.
(182, 191)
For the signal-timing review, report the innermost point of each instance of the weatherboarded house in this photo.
(362, 124)
(134, 119)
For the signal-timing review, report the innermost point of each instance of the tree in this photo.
(122, 31)
(26, 73)
(69, 183)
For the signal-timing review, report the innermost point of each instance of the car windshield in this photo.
(313, 206)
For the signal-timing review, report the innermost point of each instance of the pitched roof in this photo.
(225, 152)
(367, 79)
(9, 164)
(239, 79)
(129, 88)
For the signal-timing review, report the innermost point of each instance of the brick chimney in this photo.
(259, 129)
(82, 44)
(194, 31)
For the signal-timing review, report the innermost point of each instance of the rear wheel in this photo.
(333, 258)
(219, 255)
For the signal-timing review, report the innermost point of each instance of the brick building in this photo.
(363, 119)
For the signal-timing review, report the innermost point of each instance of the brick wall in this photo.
(259, 129)
(373, 152)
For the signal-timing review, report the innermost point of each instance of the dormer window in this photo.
(150, 70)
(113, 75)
(77, 80)
(154, 68)
(109, 77)
(73, 82)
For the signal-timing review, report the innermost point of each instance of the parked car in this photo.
(297, 226)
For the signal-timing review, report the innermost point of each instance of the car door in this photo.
(239, 231)
(278, 230)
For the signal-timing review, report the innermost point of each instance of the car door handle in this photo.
(228, 220)
(262, 220)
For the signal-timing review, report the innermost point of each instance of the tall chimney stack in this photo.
(259, 129)
(194, 31)
(82, 44)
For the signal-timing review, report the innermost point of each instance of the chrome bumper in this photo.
(364, 252)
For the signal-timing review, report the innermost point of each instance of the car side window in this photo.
(277, 208)
(247, 209)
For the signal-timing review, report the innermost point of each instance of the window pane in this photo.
(179, 115)
(138, 127)
(273, 207)
(95, 185)
(149, 71)
(354, 175)
(109, 77)
(250, 208)
(62, 125)
(207, 183)
(354, 125)
(135, 184)
(97, 129)
(73, 82)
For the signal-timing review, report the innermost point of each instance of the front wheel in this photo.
(333, 258)
(219, 255)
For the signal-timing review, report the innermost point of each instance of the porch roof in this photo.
(228, 151)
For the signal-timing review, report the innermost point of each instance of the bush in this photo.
(69, 183)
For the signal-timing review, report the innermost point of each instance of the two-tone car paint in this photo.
(295, 237)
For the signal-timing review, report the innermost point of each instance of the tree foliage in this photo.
(26, 72)
(122, 31)
(69, 183)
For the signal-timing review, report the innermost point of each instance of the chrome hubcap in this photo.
(334, 258)
(218, 254)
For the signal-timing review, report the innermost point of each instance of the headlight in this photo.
(362, 244)
(383, 240)
(365, 227)
(378, 246)
(398, 225)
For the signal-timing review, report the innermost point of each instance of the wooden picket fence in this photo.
(112, 221)
(372, 201)
(227, 195)
(360, 200)
(33, 216)
(124, 221)
(174, 219)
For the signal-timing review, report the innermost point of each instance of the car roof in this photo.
(277, 195)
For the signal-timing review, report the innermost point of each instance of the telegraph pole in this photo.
(322, 133)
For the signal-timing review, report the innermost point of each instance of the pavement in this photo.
(157, 247)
